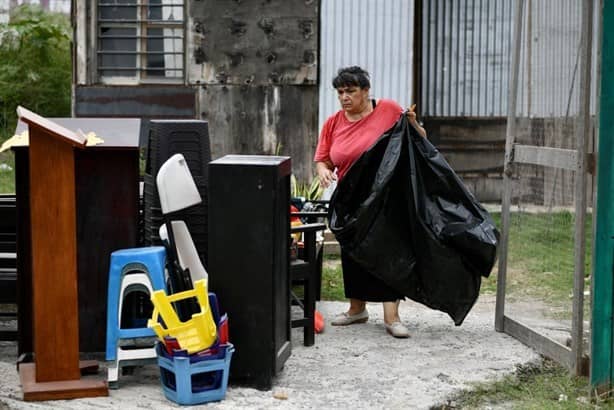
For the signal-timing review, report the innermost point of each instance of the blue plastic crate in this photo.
(189, 382)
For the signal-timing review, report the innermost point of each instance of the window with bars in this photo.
(142, 40)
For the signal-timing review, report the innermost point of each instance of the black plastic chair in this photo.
(306, 271)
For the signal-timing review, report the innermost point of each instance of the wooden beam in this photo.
(546, 156)
(542, 344)
(510, 133)
(602, 345)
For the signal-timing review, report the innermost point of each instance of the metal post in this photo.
(509, 139)
(602, 342)
(418, 61)
(582, 136)
(598, 62)
(529, 41)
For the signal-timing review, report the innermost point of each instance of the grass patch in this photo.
(332, 279)
(540, 259)
(542, 385)
(7, 176)
(541, 255)
(489, 284)
(543, 244)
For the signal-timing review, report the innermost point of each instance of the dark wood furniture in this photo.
(107, 210)
(311, 217)
(56, 373)
(8, 260)
(249, 231)
(304, 272)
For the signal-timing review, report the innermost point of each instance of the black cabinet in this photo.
(249, 199)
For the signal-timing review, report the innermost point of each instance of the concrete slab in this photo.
(358, 366)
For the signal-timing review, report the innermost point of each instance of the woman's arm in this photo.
(413, 120)
(325, 173)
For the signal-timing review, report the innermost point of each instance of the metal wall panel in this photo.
(164, 101)
(374, 34)
(550, 58)
(548, 80)
(466, 58)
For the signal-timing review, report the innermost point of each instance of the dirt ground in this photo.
(358, 366)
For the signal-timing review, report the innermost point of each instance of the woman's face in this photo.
(352, 98)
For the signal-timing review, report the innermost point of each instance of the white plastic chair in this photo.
(177, 191)
(176, 187)
(187, 255)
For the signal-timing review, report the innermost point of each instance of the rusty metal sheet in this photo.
(250, 43)
(247, 9)
(144, 101)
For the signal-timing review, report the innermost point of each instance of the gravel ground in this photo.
(358, 367)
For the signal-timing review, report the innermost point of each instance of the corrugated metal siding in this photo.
(374, 34)
(467, 57)
(549, 76)
(548, 80)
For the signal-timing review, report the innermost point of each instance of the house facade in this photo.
(249, 68)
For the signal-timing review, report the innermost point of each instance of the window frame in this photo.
(142, 25)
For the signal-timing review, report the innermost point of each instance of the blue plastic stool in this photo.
(186, 380)
(149, 262)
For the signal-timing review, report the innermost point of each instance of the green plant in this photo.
(309, 191)
(35, 65)
(35, 71)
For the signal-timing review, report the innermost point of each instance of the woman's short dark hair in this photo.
(352, 76)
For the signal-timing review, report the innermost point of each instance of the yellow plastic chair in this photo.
(194, 335)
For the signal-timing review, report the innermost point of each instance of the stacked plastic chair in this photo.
(193, 350)
(166, 138)
(194, 356)
(131, 271)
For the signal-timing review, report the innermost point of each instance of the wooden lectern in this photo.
(107, 201)
(56, 371)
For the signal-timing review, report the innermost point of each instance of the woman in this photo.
(344, 137)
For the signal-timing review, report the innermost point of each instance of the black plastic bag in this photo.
(404, 215)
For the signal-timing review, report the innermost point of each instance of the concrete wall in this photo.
(255, 65)
(251, 67)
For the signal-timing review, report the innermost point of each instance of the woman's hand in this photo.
(413, 120)
(325, 173)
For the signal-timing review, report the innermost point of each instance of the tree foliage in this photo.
(35, 65)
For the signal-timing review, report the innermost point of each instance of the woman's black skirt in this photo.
(360, 284)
